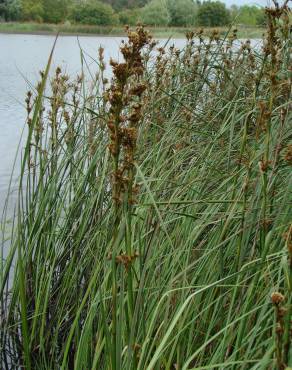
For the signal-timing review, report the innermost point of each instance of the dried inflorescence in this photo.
(278, 29)
(102, 65)
(288, 240)
(281, 345)
(277, 298)
(71, 117)
(60, 88)
(28, 102)
(288, 154)
(273, 76)
(126, 260)
(263, 117)
(125, 99)
(283, 313)
(62, 113)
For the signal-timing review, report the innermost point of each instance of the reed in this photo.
(153, 227)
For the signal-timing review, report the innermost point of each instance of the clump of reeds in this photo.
(149, 228)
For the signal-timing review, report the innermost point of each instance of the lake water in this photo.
(21, 59)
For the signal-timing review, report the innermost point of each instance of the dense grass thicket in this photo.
(153, 228)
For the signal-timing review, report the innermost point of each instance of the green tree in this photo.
(155, 13)
(3, 10)
(55, 11)
(182, 12)
(125, 4)
(248, 15)
(93, 12)
(130, 16)
(261, 18)
(14, 9)
(10, 10)
(213, 14)
(32, 10)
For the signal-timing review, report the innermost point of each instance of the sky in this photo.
(247, 2)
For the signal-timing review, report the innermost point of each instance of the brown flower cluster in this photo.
(125, 99)
(277, 298)
(126, 260)
(288, 240)
(277, 78)
(282, 349)
(288, 154)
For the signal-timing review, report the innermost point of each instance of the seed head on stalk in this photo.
(125, 112)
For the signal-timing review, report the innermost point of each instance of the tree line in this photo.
(180, 13)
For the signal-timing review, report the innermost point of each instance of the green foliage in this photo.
(129, 16)
(182, 12)
(213, 14)
(32, 10)
(261, 18)
(10, 10)
(248, 15)
(125, 4)
(55, 11)
(93, 12)
(14, 9)
(178, 13)
(3, 9)
(156, 13)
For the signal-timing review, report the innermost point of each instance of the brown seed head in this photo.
(277, 298)
(288, 154)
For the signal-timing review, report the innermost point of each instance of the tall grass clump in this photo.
(153, 224)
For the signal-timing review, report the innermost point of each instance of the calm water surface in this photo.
(21, 59)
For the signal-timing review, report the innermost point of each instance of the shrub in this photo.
(261, 18)
(130, 16)
(32, 10)
(213, 14)
(156, 13)
(182, 12)
(55, 11)
(95, 13)
(119, 5)
(3, 10)
(10, 10)
(249, 15)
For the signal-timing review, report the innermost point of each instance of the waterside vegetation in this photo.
(153, 227)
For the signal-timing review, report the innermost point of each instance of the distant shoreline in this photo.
(43, 29)
(51, 33)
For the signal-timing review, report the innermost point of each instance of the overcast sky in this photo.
(248, 2)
